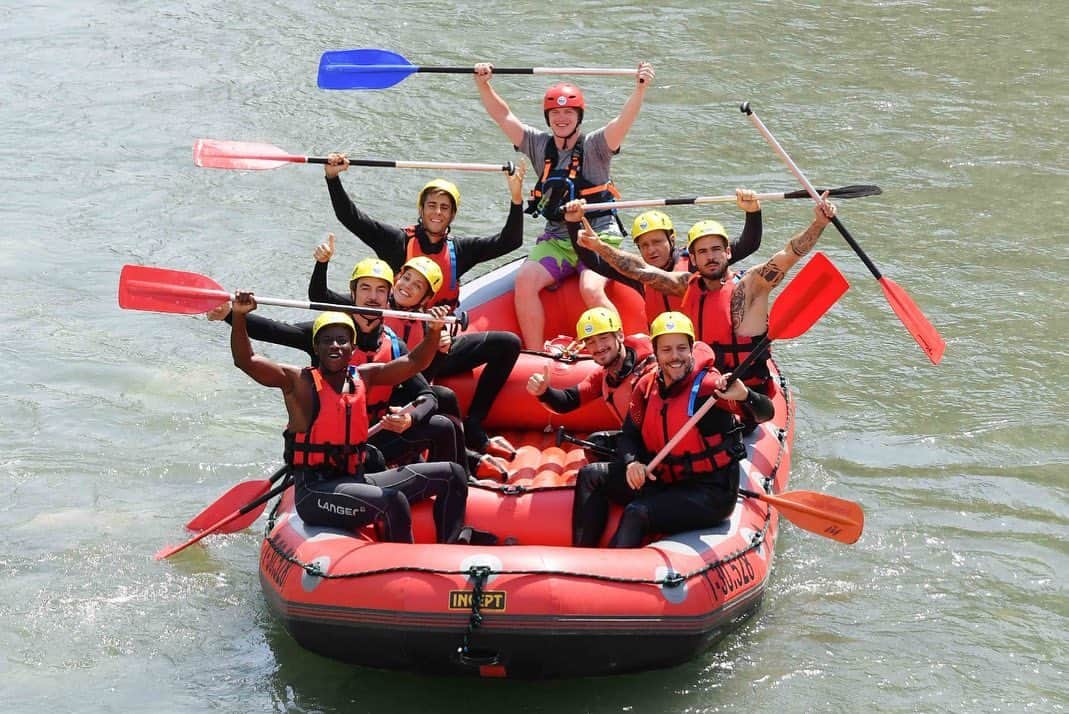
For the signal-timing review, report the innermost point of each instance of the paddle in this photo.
(223, 522)
(819, 513)
(379, 69)
(858, 191)
(256, 156)
(246, 490)
(232, 500)
(142, 287)
(911, 316)
(241, 517)
(805, 299)
(563, 436)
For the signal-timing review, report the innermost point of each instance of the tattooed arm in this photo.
(771, 274)
(634, 267)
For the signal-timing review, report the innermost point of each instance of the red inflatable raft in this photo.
(532, 606)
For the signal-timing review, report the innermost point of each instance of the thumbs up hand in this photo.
(325, 251)
(537, 384)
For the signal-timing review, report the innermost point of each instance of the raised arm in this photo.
(771, 274)
(472, 251)
(317, 284)
(495, 106)
(616, 130)
(633, 266)
(750, 240)
(387, 241)
(264, 371)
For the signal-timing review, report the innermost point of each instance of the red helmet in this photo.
(563, 95)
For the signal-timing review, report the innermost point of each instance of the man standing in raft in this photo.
(326, 435)
(730, 308)
(570, 165)
(438, 203)
(696, 486)
(621, 363)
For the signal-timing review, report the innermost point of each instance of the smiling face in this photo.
(369, 292)
(674, 356)
(656, 249)
(604, 348)
(563, 121)
(437, 212)
(411, 289)
(334, 347)
(710, 255)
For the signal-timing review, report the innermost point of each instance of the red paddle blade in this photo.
(233, 500)
(911, 316)
(142, 287)
(806, 298)
(819, 513)
(241, 155)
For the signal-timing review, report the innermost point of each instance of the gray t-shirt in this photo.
(596, 159)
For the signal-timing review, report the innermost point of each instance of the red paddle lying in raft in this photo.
(142, 287)
(805, 299)
(907, 311)
(256, 156)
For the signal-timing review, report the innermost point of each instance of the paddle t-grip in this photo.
(745, 108)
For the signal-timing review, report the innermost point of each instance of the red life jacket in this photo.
(665, 414)
(658, 302)
(338, 433)
(389, 348)
(617, 392)
(446, 258)
(710, 310)
(410, 332)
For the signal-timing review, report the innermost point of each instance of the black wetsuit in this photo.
(389, 242)
(496, 349)
(699, 501)
(350, 502)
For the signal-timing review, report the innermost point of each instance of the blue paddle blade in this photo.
(362, 69)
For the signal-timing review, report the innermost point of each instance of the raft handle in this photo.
(478, 658)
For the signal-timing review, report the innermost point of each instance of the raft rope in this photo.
(480, 573)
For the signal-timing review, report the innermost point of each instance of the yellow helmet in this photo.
(652, 221)
(596, 321)
(441, 185)
(430, 271)
(332, 318)
(372, 268)
(705, 228)
(671, 323)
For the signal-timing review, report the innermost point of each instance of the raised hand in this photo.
(325, 251)
(746, 200)
(336, 163)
